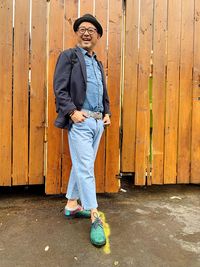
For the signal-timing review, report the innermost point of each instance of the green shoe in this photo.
(97, 235)
(78, 213)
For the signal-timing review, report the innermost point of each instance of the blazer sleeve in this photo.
(106, 103)
(106, 97)
(61, 83)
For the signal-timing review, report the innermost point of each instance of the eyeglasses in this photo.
(90, 30)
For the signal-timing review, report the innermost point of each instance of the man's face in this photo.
(87, 39)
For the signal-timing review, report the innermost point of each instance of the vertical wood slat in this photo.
(195, 148)
(6, 45)
(143, 114)
(158, 89)
(130, 87)
(54, 149)
(20, 93)
(114, 68)
(186, 64)
(71, 14)
(101, 9)
(86, 6)
(172, 91)
(37, 92)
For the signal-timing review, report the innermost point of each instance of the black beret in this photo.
(88, 18)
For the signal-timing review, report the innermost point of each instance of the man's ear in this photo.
(98, 36)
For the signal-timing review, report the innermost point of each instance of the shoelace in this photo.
(97, 222)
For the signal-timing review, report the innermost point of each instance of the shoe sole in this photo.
(76, 216)
(98, 245)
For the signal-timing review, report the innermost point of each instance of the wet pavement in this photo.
(145, 227)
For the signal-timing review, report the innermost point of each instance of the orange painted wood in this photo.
(101, 9)
(172, 91)
(86, 6)
(195, 149)
(130, 87)
(143, 112)
(6, 33)
(55, 41)
(71, 14)
(185, 94)
(20, 93)
(158, 90)
(114, 70)
(37, 92)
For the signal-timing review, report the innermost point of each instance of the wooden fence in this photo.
(160, 105)
(161, 140)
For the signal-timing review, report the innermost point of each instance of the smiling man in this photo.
(83, 107)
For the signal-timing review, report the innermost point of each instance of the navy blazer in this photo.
(70, 80)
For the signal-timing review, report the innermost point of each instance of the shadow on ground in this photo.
(149, 227)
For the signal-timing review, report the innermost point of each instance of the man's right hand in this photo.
(78, 116)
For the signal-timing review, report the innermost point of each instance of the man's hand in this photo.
(106, 119)
(78, 116)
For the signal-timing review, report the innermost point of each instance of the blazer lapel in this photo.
(82, 62)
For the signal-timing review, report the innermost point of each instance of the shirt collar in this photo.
(86, 53)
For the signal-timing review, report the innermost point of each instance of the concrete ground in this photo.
(146, 227)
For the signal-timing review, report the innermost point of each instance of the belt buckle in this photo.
(98, 115)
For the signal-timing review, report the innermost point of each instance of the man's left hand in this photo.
(106, 119)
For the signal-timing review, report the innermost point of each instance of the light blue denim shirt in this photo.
(94, 92)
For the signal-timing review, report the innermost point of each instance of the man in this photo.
(83, 107)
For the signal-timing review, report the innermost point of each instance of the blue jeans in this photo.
(84, 139)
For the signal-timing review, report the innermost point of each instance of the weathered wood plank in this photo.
(6, 45)
(185, 94)
(143, 112)
(21, 92)
(55, 39)
(130, 87)
(172, 91)
(195, 148)
(86, 6)
(37, 92)
(114, 70)
(158, 89)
